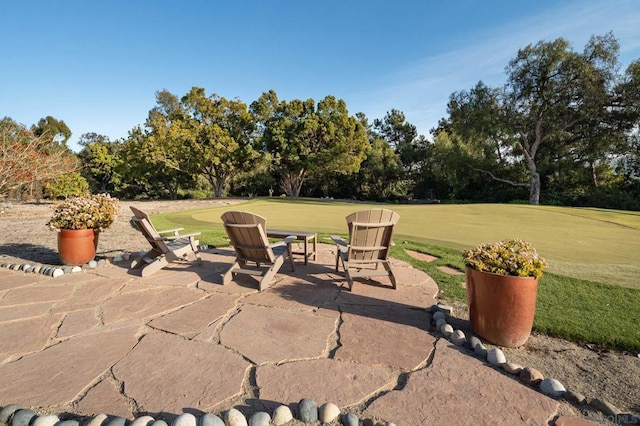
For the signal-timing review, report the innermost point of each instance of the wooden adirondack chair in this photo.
(164, 248)
(247, 235)
(370, 239)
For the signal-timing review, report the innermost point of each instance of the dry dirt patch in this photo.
(24, 235)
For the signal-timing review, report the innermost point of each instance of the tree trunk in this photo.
(534, 188)
(218, 188)
(530, 155)
(292, 183)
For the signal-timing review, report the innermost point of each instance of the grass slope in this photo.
(590, 292)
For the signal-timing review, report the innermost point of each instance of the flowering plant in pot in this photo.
(512, 256)
(79, 221)
(502, 287)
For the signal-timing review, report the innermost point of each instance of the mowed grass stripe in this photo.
(568, 238)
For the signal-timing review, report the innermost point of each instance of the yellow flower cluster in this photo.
(90, 212)
(512, 256)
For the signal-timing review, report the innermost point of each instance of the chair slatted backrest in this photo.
(248, 237)
(371, 234)
(144, 225)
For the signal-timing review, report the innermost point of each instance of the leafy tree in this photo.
(27, 160)
(141, 173)
(557, 104)
(99, 157)
(67, 185)
(56, 130)
(452, 171)
(381, 173)
(220, 135)
(478, 115)
(307, 141)
(258, 181)
(396, 130)
(164, 152)
(410, 147)
(133, 173)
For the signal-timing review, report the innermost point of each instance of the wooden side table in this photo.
(305, 237)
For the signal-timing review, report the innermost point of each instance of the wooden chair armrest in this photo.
(176, 237)
(339, 240)
(287, 240)
(167, 231)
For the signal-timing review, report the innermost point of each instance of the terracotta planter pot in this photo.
(501, 308)
(77, 246)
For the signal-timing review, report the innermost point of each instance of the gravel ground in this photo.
(591, 371)
(24, 235)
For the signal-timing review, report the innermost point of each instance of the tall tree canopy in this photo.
(50, 127)
(220, 133)
(307, 140)
(100, 160)
(558, 105)
(164, 146)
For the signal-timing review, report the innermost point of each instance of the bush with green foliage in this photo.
(68, 185)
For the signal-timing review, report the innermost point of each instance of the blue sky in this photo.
(97, 65)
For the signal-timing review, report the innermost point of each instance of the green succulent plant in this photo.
(511, 256)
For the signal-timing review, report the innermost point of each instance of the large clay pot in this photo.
(501, 308)
(77, 246)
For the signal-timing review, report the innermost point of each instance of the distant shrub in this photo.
(68, 185)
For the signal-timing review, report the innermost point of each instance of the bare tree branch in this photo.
(494, 177)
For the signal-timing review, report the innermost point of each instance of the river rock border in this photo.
(60, 270)
(55, 271)
(308, 412)
(527, 375)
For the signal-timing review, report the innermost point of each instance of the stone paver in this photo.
(28, 335)
(107, 340)
(88, 294)
(72, 279)
(210, 333)
(59, 373)
(11, 279)
(38, 293)
(410, 276)
(451, 271)
(421, 256)
(177, 274)
(30, 310)
(148, 302)
(323, 380)
(77, 322)
(293, 293)
(105, 393)
(169, 373)
(193, 319)
(459, 389)
(275, 335)
(388, 337)
(403, 297)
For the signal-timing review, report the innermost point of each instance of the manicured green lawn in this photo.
(590, 293)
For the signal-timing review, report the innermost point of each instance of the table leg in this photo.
(315, 247)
